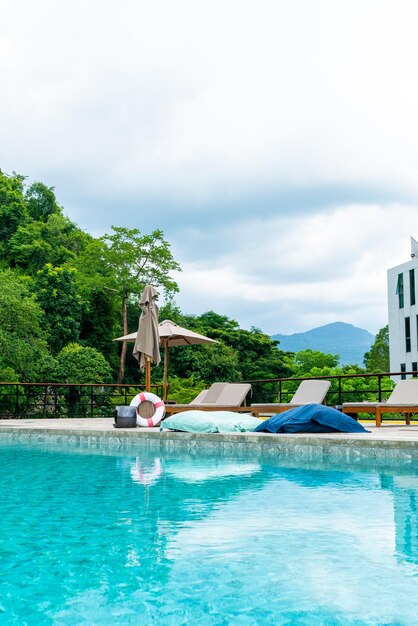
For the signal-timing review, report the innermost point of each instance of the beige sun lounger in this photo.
(211, 394)
(219, 397)
(403, 399)
(308, 392)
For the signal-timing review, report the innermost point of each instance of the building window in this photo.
(399, 290)
(412, 287)
(414, 368)
(407, 334)
(403, 369)
(416, 317)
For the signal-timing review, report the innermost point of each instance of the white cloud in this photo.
(290, 126)
(193, 95)
(295, 273)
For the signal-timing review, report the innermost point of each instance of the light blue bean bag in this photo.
(210, 422)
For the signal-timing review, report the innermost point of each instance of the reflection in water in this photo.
(208, 539)
(144, 476)
(405, 511)
(198, 471)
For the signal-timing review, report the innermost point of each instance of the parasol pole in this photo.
(165, 370)
(147, 373)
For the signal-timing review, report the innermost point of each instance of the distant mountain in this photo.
(340, 338)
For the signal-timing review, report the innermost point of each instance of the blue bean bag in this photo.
(311, 418)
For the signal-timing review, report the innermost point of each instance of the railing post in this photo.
(340, 391)
(44, 412)
(379, 387)
(17, 401)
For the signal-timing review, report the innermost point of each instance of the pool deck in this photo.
(388, 435)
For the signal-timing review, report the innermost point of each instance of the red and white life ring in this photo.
(158, 406)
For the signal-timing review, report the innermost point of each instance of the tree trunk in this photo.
(125, 332)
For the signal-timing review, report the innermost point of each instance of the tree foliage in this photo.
(81, 364)
(23, 343)
(136, 260)
(306, 361)
(33, 230)
(239, 354)
(184, 390)
(56, 241)
(56, 292)
(124, 262)
(78, 364)
(80, 286)
(314, 364)
(41, 202)
(13, 208)
(100, 324)
(209, 363)
(377, 358)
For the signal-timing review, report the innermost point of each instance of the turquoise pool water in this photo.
(178, 538)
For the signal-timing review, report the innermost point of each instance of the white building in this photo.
(403, 314)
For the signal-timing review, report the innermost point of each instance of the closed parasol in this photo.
(147, 340)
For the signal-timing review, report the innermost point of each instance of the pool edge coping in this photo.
(368, 440)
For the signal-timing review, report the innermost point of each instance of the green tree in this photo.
(258, 355)
(22, 340)
(81, 364)
(377, 358)
(41, 202)
(57, 240)
(184, 390)
(124, 262)
(99, 325)
(315, 364)
(305, 361)
(56, 292)
(239, 355)
(208, 363)
(13, 208)
(219, 324)
(171, 311)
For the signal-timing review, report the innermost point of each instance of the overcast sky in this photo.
(274, 142)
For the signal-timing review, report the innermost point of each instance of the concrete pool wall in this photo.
(380, 445)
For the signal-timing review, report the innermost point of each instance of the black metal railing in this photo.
(43, 400)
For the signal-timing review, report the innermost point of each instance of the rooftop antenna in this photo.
(414, 248)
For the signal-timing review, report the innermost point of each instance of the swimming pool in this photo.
(179, 537)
